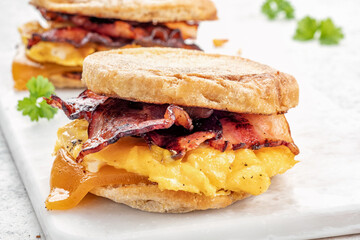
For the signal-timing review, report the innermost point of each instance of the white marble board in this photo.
(319, 197)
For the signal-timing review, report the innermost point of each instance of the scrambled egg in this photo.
(203, 170)
(60, 53)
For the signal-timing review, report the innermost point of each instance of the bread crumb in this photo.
(239, 52)
(219, 42)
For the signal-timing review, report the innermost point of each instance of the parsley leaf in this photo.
(40, 87)
(272, 9)
(34, 106)
(330, 34)
(306, 29)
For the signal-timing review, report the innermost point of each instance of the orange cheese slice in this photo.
(70, 182)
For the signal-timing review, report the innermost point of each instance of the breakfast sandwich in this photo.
(74, 29)
(173, 130)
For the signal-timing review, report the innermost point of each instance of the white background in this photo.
(333, 71)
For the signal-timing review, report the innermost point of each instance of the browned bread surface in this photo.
(151, 199)
(190, 78)
(135, 10)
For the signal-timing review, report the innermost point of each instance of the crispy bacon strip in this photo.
(254, 131)
(187, 30)
(117, 118)
(111, 119)
(170, 126)
(178, 146)
(115, 29)
(75, 36)
(164, 38)
(81, 107)
(110, 27)
(179, 142)
(232, 131)
(54, 16)
(79, 37)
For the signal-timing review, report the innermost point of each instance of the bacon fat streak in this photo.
(172, 127)
(108, 32)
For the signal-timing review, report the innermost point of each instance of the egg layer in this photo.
(204, 170)
(63, 54)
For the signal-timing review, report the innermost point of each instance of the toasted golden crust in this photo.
(135, 10)
(190, 78)
(23, 69)
(151, 199)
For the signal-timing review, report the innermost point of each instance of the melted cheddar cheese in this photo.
(70, 182)
(204, 170)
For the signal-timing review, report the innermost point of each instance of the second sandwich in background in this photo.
(76, 29)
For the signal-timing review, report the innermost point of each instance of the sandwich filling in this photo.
(79, 30)
(69, 38)
(202, 151)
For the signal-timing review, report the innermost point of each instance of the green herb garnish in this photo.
(308, 28)
(273, 8)
(329, 33)
(35, 106)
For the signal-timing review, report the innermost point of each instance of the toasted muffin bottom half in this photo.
(151, 199)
